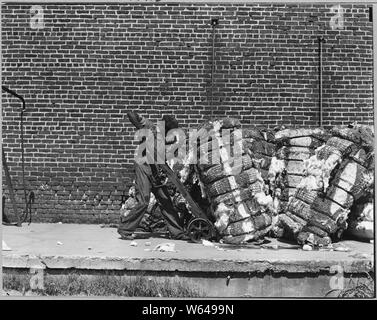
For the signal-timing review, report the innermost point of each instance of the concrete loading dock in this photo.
(251, 272)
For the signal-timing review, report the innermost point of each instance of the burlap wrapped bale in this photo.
(217, 172)
(261, 152)
(227, 214)
(296, 145)
(301, 231)
(237, 195)
(361, 157)
(359, 134)
(264, 175)
(241, 206)
(203, 151)
(318, 232)
(283, 205)
(294, 153)
(260, 144)
(290, 133)
(287, 193)
(309, 236)
(257, 187)
(248, 177)
(326, 151)
(230, 183)
(235, 211)
(261, 147)
(222, 186)
(293, 180)
(335, 178)
(312, 216)
(309, 142)
(259, 133)
(253, 133)
(345, 147)
(248, 225)
(340, 196)
(229, 140)
(321, 203)
(354, 179)
(295, 167)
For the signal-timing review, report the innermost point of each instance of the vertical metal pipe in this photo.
(23, 155)
(214, 23)
(320, 40)
(212, 68)
(23, 108)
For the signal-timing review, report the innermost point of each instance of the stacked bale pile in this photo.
(294, 146)
(237, 192)
(335, 177)
(260, 146)
(360, 221)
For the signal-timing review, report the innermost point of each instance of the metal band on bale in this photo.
(232, 197)
(294, 153)
(308, 213)
(340, 196)
(300, 132)
(344, 146)
(309, 142)
(217, 172)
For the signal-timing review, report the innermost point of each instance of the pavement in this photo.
(91, 247)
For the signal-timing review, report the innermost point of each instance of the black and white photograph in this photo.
(188, 149)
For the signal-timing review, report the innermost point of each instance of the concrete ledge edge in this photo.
(182, 265)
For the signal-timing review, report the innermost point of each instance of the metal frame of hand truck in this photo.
(199, 227)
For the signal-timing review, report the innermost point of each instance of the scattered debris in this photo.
(307, 247)
(165, 247)
(5, 247)
(207, 243)
(340, 247)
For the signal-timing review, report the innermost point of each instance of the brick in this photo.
(79, 83)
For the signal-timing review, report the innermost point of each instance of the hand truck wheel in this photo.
(200, 229)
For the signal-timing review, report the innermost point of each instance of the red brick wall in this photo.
(93, 63)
